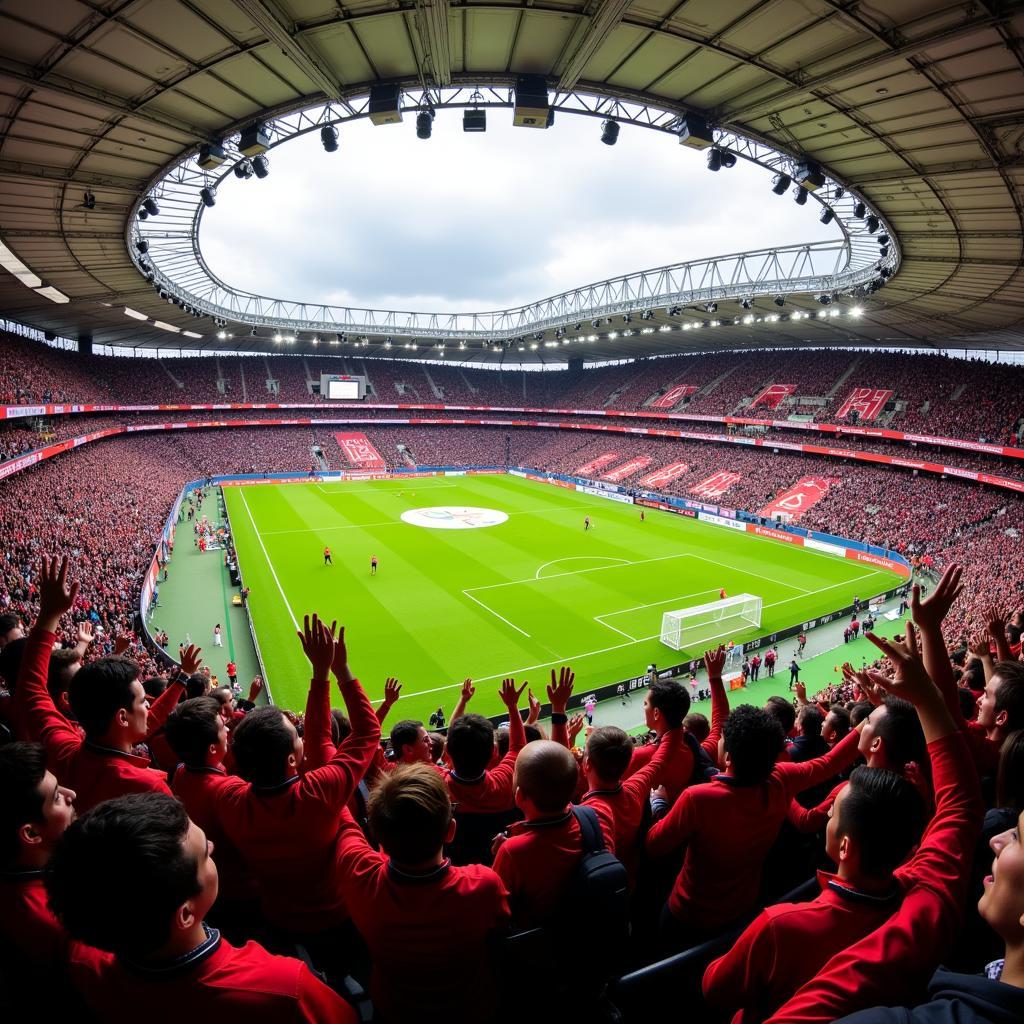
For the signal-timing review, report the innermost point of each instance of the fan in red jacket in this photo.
(729, 824)
(665, 706)
(873, 825)
(418, 913)
(892, 964)
(108, 701)
(285, 822)
(157, 950)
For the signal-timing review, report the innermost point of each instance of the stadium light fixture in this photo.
(53, 294)
(474, 120)
(208, 196)
(800, 196)
(149, 203)
(883, 239)
(745, 303)
(142, 245)
(809, 176)
(825, 298)
(779, 300)
(872, 224)
(166, 327)
(254, 139)
(714, 159)
(277, 338)
(243, 169)
(728, 159)
(424, 124)
(143, 215)
(859, 210)
(827, 215)
(884, 251)
(134, 314)
(329, 138)
(221, 335)
(610, 132)
(711, 307)
(780, 183)
(260, 166)
(838, 193)
(695, 132)
(88, 200)
(211, 156)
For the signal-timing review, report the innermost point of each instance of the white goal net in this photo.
(717, 620)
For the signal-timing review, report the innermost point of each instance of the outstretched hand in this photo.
(55, 595)
(339, 666)
(909, 680)
(575, 727)
(467, 691)
(318, 644)
(995, 622)
(714, 662)
(560, 689)
(392, 691)
(190, 660)
(510, 695)
(85, 634)
(929, 613)
(534, 705)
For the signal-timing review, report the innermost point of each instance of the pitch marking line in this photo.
(638, 607)
(580, 558)
(399, 522)
(270, 564)
(757, 576)
(341, 488)
(496, 615)
(569, 659)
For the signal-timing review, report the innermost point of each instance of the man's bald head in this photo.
(546, 774)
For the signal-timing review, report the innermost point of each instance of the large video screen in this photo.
(343, 389)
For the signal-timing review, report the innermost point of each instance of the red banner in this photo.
(673, 396)
(716, 485)
(627, 469)
(773, 395)
(599, 463)
(359, 452)
(868, 403)
(799, 498)
(665, 475)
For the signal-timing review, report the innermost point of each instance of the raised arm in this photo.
(33, 707)
(675, 828)
(928, 616)
(392, 691)
(465, 696)
(318, 747)
(995, 620)
(160, 710)
(559, 692)
(714, 662)
(800, 776)
(510, 698)
(637, 787)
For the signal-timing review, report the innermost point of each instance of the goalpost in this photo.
(716, 620)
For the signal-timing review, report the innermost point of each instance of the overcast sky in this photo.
(475, 222)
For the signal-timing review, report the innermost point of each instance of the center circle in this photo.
(454, 517)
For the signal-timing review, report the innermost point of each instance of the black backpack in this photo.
(599, 893)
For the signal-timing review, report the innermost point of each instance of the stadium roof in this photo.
(917, 105)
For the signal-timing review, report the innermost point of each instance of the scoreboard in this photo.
(341, 387)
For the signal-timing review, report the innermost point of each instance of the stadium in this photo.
(479, 477)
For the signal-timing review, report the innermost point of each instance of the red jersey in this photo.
(217, 982)
(728, 830)
(288, 833)
(538, 859)
(677, 771)
(26, 922)
(491, 792)
(418, 926)
(94, 772)
(892, 964)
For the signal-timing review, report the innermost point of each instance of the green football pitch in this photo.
(516, 598)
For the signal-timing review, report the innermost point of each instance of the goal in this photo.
(716, 620)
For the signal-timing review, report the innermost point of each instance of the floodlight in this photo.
(859, 210)
(142, 245)
(255, 139)
(780, 183)
(260, 166)
(728, 159)
(424, 124)
(143, 215)
(883, 239)
(695, 132)
(827, 215)
(208, 196)
(89, 201)
(825, 298)
(329, 138)
(809, 176)
(474, 120)
(243, 169)
(780, 300)
(800, 196)
(150, 206)
(872, 224)
(714, 159)
(211, 155)
(610, 132)
(385, 105)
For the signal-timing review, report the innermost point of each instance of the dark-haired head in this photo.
(470, 745)
(267, 747)
(143, 845)
(753, 741)
(197, 733)
(109, 702)
(892, 736)
(410, 813)
(666, 705)
(782, 711)
(609, 750)
(876, 821)
(410, 742)
(34, 808)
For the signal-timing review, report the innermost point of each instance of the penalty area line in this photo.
(496, 615)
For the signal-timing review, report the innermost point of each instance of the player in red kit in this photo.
(373, 565)
(722, 594)
(327, 557)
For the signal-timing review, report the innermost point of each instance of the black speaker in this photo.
(531, 102)
(385, 104)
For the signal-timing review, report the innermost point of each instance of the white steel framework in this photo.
(849, 265)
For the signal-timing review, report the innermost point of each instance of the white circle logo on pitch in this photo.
(454, 517)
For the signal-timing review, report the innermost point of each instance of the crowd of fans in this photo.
(187, 851)
(961, 398)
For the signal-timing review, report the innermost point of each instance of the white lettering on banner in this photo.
(598, 492)
(719, 521)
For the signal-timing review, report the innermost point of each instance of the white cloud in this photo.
(479, 222)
